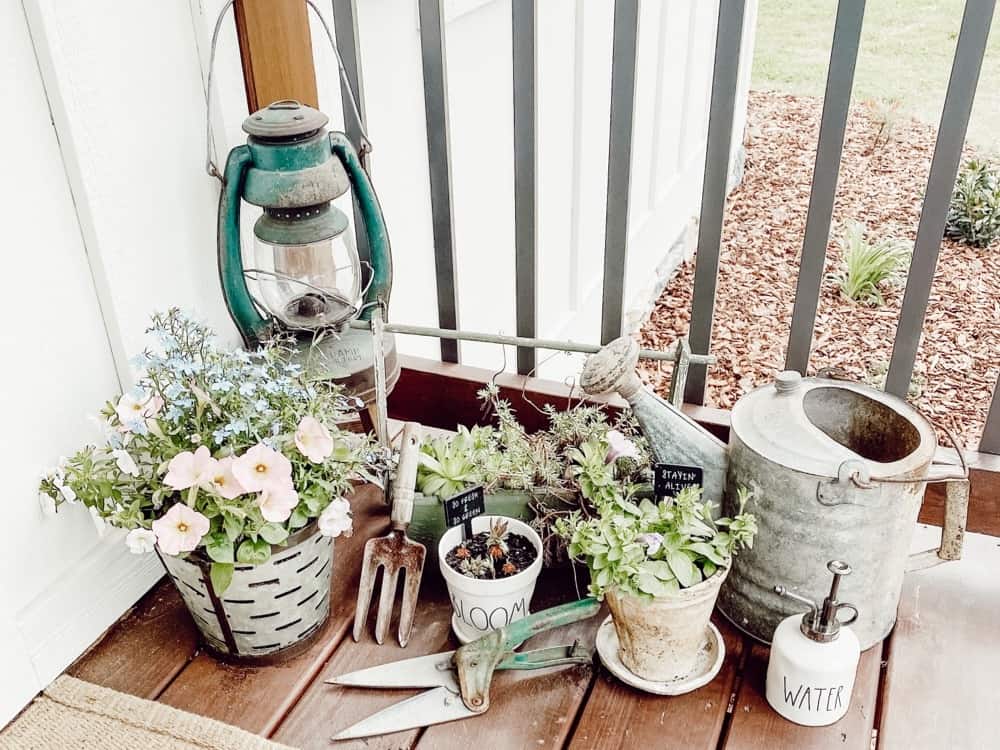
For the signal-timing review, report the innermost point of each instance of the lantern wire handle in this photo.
(364, 147)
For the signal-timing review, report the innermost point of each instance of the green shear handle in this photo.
(476, 662)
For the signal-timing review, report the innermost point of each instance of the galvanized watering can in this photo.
(838, 471)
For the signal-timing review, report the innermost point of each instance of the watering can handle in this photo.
(956, 509)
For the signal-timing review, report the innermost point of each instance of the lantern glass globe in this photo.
(309, 286)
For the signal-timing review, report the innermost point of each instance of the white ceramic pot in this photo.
(484, 605)
(659, 639)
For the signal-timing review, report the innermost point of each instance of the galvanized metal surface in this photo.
(836, 103)
(432, 55)
(725, 76)
(673, 437)
(623, 65)
(838, 471)
(524, 14)
(267, 608)
(965, 69)
(670, 353)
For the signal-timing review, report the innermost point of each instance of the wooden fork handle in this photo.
(406, 475)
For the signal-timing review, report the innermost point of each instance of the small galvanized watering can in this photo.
(838, 470)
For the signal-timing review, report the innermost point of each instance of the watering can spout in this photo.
(673, 437)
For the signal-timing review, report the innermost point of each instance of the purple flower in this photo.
(652, 540)
(619, 446)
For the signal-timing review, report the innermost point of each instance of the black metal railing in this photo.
(966, 66)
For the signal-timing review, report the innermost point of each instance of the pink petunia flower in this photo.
(262, 468)
(277, 504)
(187, 469)
(222, 480)
(180, 529)
(313, 440)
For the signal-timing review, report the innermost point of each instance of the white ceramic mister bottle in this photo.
(814, 658)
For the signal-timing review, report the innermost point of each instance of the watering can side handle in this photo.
(956, 511)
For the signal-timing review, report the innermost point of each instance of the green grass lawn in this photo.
(906, 52)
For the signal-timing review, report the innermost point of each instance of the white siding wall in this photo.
(110, 216)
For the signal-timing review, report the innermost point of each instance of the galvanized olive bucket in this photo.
(270, 610)
(838, 471)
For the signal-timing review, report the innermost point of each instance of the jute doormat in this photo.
(74, 714)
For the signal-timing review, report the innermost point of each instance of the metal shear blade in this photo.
(434, 706)
(460, 680)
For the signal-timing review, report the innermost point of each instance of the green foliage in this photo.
(974, 213)
(450, 464)
(884, 114)
(655, 549)
(192, 394)
(865, 265)
(477, 567)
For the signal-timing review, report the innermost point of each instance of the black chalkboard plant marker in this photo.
(491, 573)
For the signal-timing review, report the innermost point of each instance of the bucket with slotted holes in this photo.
(269, 611)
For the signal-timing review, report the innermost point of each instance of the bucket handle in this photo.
(956, 509)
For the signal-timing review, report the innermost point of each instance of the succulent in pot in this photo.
(660, 566)
(228, 464)
(490, 576)
(538, 477)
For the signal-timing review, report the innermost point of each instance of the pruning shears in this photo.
(460, 680)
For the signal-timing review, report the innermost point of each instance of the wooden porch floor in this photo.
(925, 687)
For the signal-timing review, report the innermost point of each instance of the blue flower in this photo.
(247, 388)
(223, 386)
(138, 426)
(139, 361)
(173, 390)
(173, 414)
(261, 405)
(219, 436)
(237, 425)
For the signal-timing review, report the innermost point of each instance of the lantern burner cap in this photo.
(284, 119)
(315, 310)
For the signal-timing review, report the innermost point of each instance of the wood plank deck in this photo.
(947, 636)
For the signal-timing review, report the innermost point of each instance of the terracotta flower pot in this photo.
(269, 611)
(659, 639)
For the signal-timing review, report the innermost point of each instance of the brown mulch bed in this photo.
(882, 187)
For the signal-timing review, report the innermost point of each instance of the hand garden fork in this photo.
(394, 552)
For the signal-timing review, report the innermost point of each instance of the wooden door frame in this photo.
(276, 52)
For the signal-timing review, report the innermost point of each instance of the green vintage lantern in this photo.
(306, 276)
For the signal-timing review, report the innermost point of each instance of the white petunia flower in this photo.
(140, 541)
(336, 519)
(67, 492)
(126, 464)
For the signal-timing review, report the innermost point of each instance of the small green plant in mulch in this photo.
(867, 265)
(884, 115)
(974, 214)
(877, 370)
